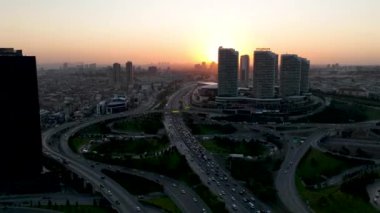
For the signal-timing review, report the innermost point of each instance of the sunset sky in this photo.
(179, 31)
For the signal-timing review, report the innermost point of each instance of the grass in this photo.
(149, 124)
(99, 128)
(215, 204)
(78, 209)
(132, 146)
(207, 129)
(289, 128)
(77, 142)
(316, 164)
(163, 202)
(258, 176)
(171, 164)
(342, 112)
(228, 146)
(332, 200)
(134, 184)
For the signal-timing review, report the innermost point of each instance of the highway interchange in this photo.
(215, 177)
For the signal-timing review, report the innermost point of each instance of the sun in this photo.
(212, 54)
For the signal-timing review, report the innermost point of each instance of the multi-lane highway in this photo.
(122, 200)
(285, 180)
(219, 181)
(216, 178)
(184, 197)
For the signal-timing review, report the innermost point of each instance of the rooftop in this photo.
(10, 52)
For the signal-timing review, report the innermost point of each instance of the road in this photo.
(219, 181)
(112, 191)
(285, 179)
(187, 202)
(43, 199)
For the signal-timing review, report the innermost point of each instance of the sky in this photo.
(179, 31)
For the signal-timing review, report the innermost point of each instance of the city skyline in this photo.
(147, 31)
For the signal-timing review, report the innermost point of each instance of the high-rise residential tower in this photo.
(276, 73)
(305, 67)
(116, 75)
(20, 144)
(228, 60)
(264, 73)
(244, 70)
(290, 76)
(129, 68)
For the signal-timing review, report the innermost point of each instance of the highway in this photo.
(112, 191)
(187, 202)
(184, 197)
(285, 179)
(219, 181)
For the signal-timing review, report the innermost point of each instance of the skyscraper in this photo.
(276, 73)
(129, 68)
(116, 75)
(305, 67)
(264, 71)
(290, 76)
(20, 144)
(244, 70)
(228, 60)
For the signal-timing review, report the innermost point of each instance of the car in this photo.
(195, 199)
(102, 177)
(174, 185)
(251, 205)
(117, 202)
(234, 207)
(233, 189)
(183, 191)
(138, 209)
(233, 198)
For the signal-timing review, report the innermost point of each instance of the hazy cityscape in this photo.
(211, 107)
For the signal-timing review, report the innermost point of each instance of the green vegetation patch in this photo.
(76, 142)
(78, 209)
(316, 165)
(227, 146)
(163, 202)
(258, 176)
(132, 146)
(332, 200)
(149, 124)
(134, 184)
(289, 128)
(98, 128)
(215, 204)
(171, 163)
(341, 112)
(207, 129)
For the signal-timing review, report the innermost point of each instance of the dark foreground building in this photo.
(20, 134)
